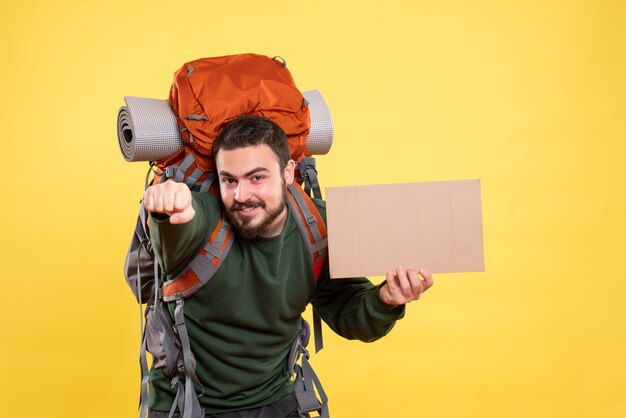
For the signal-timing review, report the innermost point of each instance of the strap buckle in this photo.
(170, 172)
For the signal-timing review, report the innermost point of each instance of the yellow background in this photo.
(527, 96)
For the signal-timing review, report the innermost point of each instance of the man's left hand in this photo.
(405, 286)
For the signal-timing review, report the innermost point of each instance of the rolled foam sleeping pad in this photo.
(147, 129)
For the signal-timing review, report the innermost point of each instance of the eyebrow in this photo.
(248, 174)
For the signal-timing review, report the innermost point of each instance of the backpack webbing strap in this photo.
(179, 401)
(193, 177)
(190, 407)
(151, 170)
(203, 267)
(196, 117)
(307, 400)
(309, 175)
(206, 184)
(145, 375)
(143, 362)
(317, 331)
(306, 381)
(183, 167)
(314, 228)
(215, 247)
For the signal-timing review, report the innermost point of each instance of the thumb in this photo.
(183, 217)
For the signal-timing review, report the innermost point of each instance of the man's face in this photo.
(253, 189)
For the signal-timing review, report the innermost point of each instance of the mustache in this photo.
(249, 204)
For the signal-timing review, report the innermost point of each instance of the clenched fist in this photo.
(170, 198)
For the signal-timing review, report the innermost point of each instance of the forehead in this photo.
(240, 161)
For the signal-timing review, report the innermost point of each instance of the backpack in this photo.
(205, 95)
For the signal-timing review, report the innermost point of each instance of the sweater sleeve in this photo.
(175, 245)
(353, 309)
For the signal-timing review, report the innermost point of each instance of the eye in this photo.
(257, 178)
(228, 181)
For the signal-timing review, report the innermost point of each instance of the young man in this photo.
(242, 323)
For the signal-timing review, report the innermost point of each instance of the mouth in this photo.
(247, 209)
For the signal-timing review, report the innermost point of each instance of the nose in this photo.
(242, 193)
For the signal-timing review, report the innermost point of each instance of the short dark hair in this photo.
(251, 130)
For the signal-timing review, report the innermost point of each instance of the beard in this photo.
(241, 223)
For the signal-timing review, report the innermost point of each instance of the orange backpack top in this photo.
(208, 93)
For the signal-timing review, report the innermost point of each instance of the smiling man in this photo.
(242, 323)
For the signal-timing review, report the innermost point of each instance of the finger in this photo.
(182, 199)
(428, 278)
(403, 283)
(416, 284)
(389, 290)
(391, 283)
(148, 201)
(168, 201)
(183, 217)
(157, 197)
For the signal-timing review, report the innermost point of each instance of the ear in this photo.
(289, 172)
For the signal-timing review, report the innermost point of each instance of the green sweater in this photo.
(242, 323)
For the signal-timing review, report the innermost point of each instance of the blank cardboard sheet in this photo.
(373, 229)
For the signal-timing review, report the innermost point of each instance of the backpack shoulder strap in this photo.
(202, 267)
(311, 225)
(315, 236)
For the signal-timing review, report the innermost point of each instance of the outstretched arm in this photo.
(356, 309)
